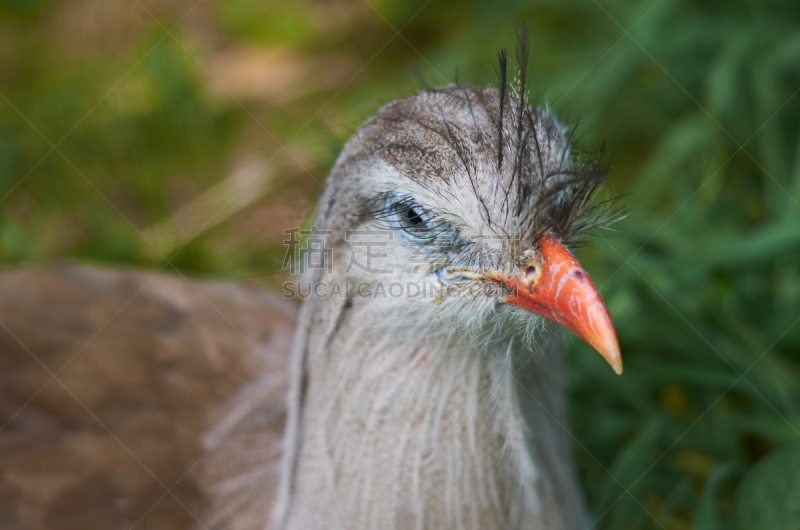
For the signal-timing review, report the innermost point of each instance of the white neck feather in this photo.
(401, 433)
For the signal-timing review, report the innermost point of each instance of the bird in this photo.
(445, 410)
(423, 386)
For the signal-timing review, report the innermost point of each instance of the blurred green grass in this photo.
(111, 128)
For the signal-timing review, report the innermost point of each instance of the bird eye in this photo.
(409, 221)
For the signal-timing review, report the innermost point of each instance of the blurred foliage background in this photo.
(190, 134)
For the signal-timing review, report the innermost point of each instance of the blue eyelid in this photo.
(393, 215)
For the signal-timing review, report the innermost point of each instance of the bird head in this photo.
(457, 207)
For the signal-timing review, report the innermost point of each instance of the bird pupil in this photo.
(413, 217)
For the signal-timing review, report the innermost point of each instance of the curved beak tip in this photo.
(614, 359)
(604, 340)
(605, 343)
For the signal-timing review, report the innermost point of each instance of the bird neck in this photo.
(398, 432)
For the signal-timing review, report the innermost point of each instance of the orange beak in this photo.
(556, 286)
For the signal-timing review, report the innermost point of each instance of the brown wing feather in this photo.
(162, 383)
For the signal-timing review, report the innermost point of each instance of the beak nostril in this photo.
(531, 273)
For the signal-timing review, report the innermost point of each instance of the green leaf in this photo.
(769, 495)
(706, 516)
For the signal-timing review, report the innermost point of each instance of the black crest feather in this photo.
(502, 57)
